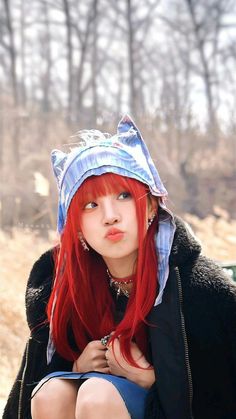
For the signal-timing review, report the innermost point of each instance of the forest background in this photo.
(66, 65)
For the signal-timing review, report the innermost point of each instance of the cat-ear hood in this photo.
(124, 153)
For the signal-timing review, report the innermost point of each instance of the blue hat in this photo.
(124, 154)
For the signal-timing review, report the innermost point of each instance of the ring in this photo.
(105, 339)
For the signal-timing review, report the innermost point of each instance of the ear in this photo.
(153, 204)
(58, 159)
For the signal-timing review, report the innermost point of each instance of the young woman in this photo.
(127, 318)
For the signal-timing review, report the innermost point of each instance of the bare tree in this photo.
(23, 93)
(199, 25)
(201, 29)
(68, 23)
(46, 80)
(94, 63)
(136, 29)
(84, 39)
(10, 48)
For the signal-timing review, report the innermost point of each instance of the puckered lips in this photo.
(114, 234)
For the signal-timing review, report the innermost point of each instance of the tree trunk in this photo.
(206, 71)
(48, 58)
(22, 54)
(132, 99)
(94, 65)
(12, 51)
(83, 52)
(69, 59)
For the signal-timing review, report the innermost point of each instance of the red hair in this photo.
(84, 305)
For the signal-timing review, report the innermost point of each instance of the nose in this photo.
(110, 213)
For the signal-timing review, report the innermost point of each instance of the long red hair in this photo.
(81, 305)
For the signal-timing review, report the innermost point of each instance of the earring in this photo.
(151, 220)
(82, 241)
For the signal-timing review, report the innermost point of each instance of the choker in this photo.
(118, 282)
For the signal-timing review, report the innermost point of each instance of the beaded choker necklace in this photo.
(118, 282)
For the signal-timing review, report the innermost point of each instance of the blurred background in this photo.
(66, 65)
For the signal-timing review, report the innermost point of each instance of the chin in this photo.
(116, 254)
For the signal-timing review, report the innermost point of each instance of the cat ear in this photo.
(58, 159)
(126, 125)
(130, 136)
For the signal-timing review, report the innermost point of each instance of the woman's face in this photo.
(109, 225)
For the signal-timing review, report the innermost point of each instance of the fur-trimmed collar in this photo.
(185, 245)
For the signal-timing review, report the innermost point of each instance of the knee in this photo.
(94, 397)
(41, 396)
(54, 392)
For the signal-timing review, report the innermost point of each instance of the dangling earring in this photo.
(151, 220)
(82, 241)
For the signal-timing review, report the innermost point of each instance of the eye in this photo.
(90, 205)
(124, 195)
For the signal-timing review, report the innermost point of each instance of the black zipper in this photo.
(187, 363)
(19, 416)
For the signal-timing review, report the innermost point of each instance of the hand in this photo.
(92, 359)
(119, 366)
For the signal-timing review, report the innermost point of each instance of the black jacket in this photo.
(193, 345)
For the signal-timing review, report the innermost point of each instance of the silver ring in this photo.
(105, 339)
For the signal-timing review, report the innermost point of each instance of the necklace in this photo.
(118, 284)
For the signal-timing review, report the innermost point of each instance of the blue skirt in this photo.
(133, 395)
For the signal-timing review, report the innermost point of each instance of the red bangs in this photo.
(108, 183)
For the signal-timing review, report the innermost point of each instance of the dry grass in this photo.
(17, 255)
(217, 235)
(19, 252)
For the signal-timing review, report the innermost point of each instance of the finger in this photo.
(99, 356)
(103, 349)
(116, 343)
(97, 344)
(105, 364)
(111, 354)
(107, 355)
(101, 363)
(115, 349)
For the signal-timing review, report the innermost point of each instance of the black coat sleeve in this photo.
(34, 365)
(221, 295)
(210, 321)
(225, 300)
(226, 303)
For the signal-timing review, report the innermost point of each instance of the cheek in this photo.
(133, 223)
(85, 226)
(88, 228)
